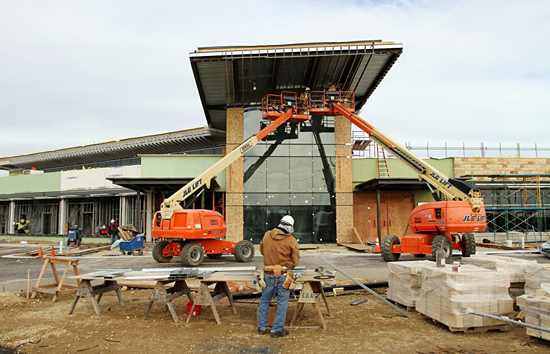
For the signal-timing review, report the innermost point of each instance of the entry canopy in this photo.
(240, 76)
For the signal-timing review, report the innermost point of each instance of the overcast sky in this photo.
(77, 72)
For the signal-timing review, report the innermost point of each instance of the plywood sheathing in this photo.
(234, 176)
(396, 206)
(483, 166)
(344, 180)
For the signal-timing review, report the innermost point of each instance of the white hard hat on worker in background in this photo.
(112, 220)
(307, 88)
(288, 219)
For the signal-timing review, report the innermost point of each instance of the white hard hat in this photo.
(288, 219)
(307, 88)
(112, 220)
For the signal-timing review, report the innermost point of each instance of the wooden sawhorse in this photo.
(311, 293)
(161, 294)
(59, 288)
(205, 298)
(87, 290)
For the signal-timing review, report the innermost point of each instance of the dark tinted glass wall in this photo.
(292, 171)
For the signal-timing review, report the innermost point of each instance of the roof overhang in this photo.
(155, 184)
(392, 184)
(241, 76)
(184, 140)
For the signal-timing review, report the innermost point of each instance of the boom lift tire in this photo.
(386, 248)
(192, 254)
(244, 251)
(157, 252)
(468, 245)
(443, 242)
(214, 255)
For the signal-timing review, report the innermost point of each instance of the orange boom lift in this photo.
(193, 233)
(447, 224)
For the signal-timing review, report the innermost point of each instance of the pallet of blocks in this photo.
(534, 276)
(514, 267)
(537, 312)
(405, 281)
(444, 292)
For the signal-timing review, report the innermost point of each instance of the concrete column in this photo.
(122, 217)
(149, 215)
(62, 217)
(11, 218)
(234, 176)
(344, 180)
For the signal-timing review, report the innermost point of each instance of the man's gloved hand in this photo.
(261, 280)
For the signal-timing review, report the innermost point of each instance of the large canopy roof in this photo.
(183, 140)
(241, 76)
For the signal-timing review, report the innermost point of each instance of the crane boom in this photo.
(173, 203)
(452, 188)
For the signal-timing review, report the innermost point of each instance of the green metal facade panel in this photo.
(180, 166)
(39, 183)
(367, 169)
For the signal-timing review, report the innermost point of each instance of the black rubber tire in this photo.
(386, 248)
(157, 252)
(214, 255)
(468, 245)
(244, 251)
(420, 255)
(441, 241)
(192, 254)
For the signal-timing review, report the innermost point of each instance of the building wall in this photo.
(344, 180)
(234, 176)
(180, 166)
(395, 207)
(38, 183)
(467, 166)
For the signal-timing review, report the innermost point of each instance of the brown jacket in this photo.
(279, 248)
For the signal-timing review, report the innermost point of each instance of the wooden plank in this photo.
(356, 246)
(358, 236)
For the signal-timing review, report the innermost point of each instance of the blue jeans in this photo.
(274, 286)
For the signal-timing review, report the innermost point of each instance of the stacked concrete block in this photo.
(535, 275)
(405, 281)
(445, 292)
(537, 312)
(514, 267)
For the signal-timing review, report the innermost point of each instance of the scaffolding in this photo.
(517, 204)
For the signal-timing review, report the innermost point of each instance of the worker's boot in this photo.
(280, 334)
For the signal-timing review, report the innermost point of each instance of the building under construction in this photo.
(338, 185)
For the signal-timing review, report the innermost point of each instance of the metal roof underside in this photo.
(392, 184)
(241, 76)
(156, 184)
(185, 140)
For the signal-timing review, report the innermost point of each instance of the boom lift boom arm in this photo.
(173, 202)
(453, 189)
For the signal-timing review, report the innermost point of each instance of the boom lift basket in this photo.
(273, 106)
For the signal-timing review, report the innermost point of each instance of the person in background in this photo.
(281, 254)
(113, 231)
(304, 100)
(19, 226)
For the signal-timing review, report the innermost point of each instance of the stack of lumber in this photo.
(405, 281)
(127, 232)
(537, 312)
(534, 276)
(444, 292)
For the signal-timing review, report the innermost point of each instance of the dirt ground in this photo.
(40, 326)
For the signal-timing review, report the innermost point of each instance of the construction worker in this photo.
(19, 226)
(113, 231)
(304, 100)
(281, 254)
